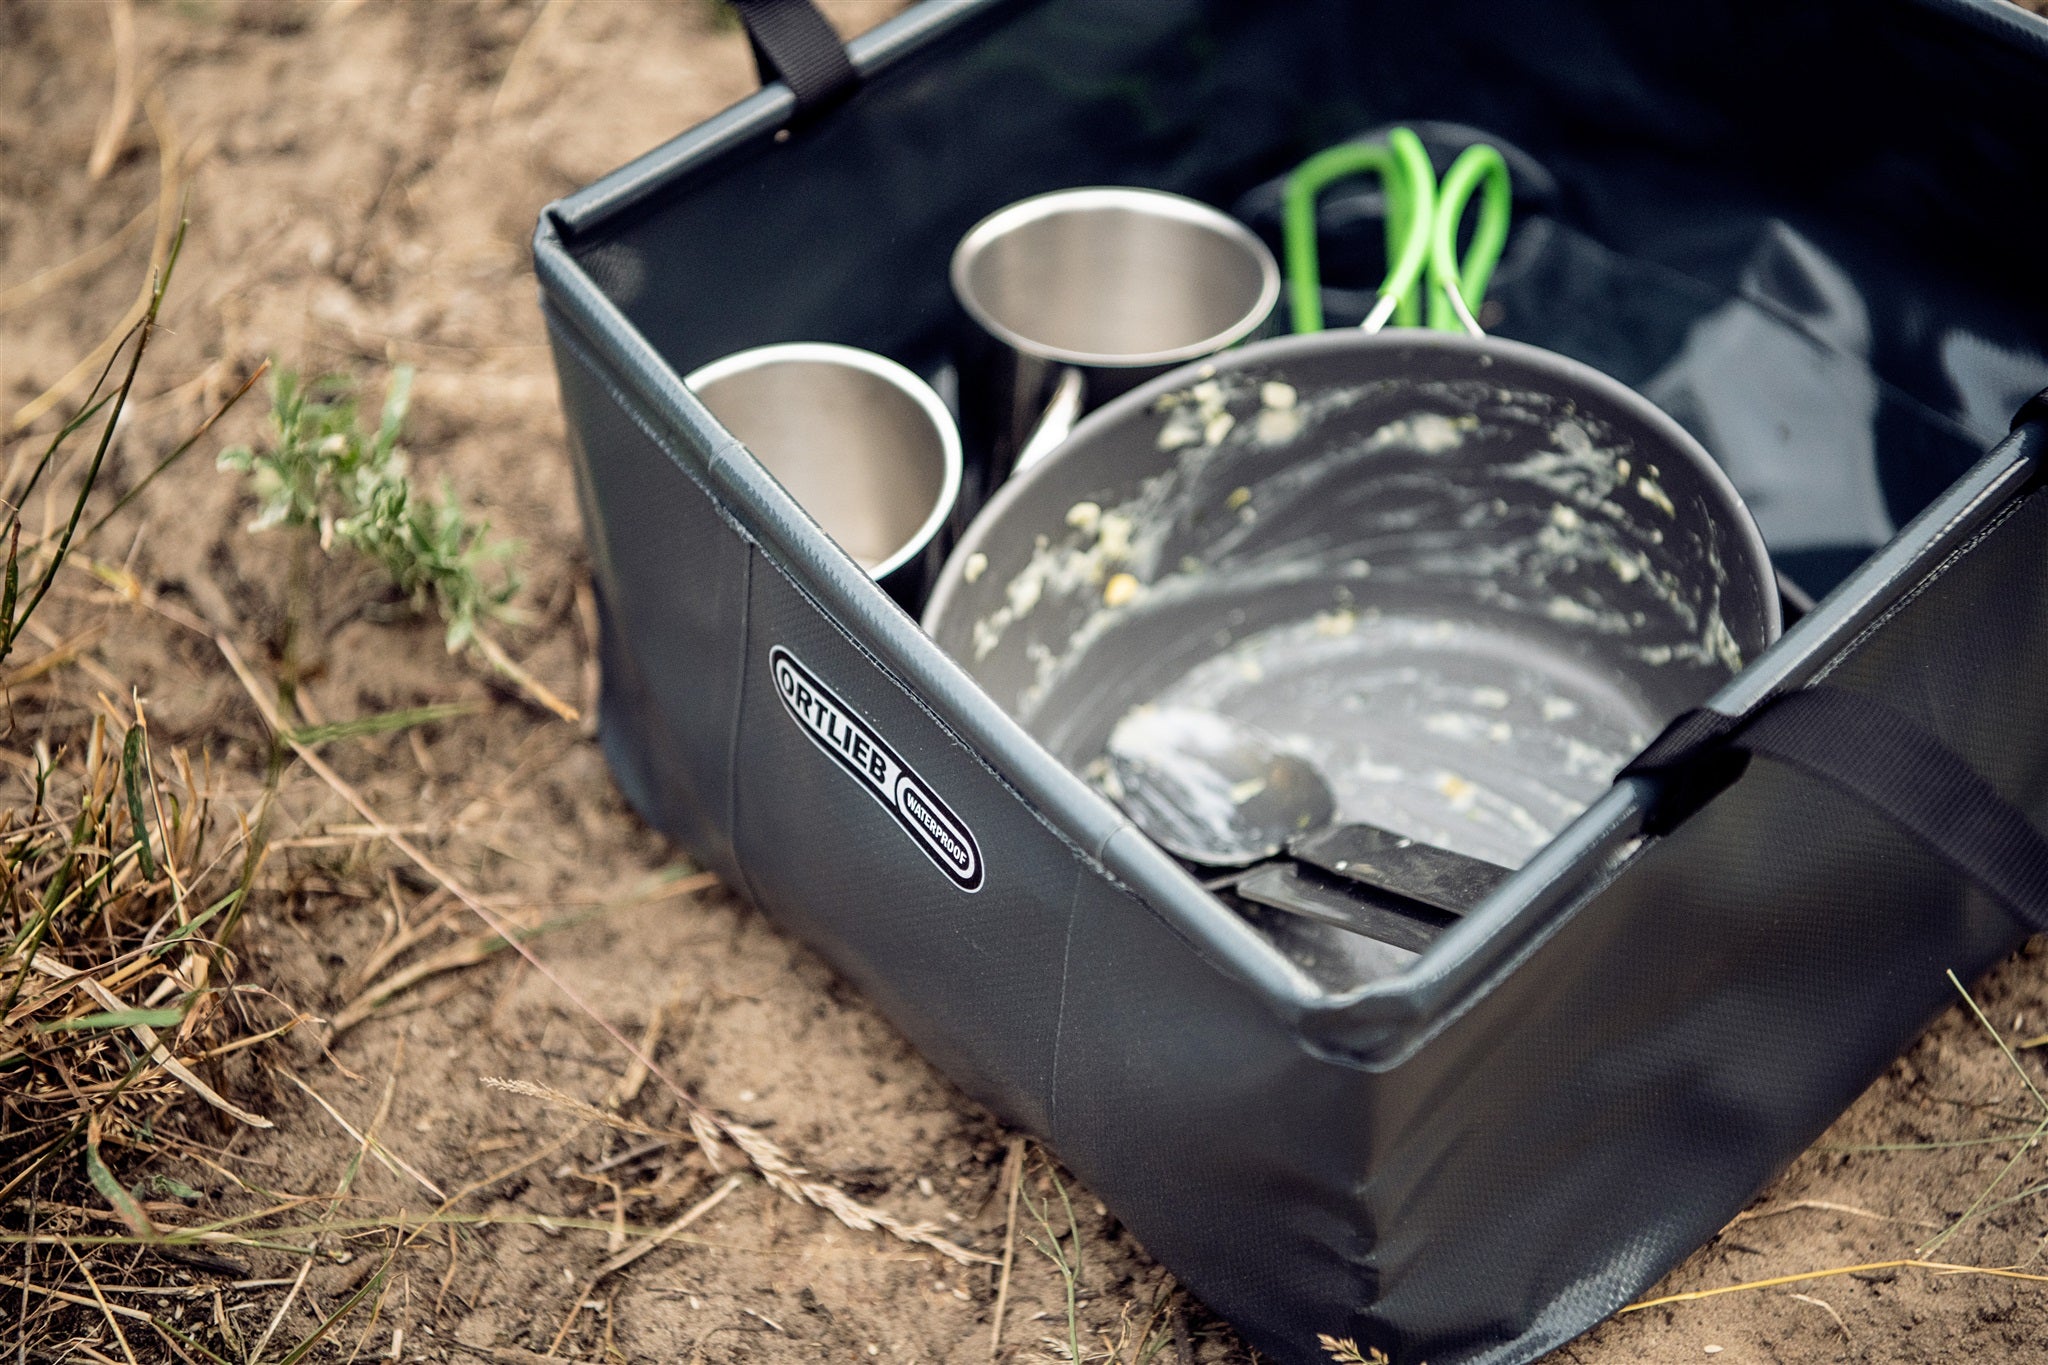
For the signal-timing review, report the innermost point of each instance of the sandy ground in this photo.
(362, 180)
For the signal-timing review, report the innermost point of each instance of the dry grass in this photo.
(124, 875)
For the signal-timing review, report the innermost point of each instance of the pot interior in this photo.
(1466, 579)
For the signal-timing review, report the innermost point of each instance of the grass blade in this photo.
(185, 931)
(12, 589)
(109, 1019)
(177, 454)
(348, 1306)
(383, 723)
(144, 329)
(138, 817)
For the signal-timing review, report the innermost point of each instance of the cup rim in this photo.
(1159, 202)
(881, 367)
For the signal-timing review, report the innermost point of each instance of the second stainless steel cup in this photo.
(862, 444)
(1082, 294)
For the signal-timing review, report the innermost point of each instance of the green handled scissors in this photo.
(1422, 219)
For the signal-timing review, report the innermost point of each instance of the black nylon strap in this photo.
(794, 43)
(1691, 764)
(1879, 755)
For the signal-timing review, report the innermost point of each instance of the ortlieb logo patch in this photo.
(855, 747)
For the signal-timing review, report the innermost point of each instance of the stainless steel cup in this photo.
(862, 444)
(1085, 293)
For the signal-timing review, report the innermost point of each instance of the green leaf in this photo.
(115, 1019)
(176, 1189)
(397, 398)
(117, 1194)
(138, 816)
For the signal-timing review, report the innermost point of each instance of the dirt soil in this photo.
(362, 180)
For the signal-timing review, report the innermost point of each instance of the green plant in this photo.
(323, 471)
(1063, 1250)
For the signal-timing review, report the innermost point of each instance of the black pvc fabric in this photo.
(1812, 235)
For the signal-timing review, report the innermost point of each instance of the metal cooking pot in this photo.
(1465, 578)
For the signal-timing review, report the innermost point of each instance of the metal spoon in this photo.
(1211, 789)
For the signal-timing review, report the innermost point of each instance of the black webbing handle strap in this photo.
(1871, 751)
(795, 44)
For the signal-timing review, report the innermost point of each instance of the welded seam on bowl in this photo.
(739, 719)
(1059, 1023)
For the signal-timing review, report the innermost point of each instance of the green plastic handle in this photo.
(1411, 205)
(1456, 291)
(1422, 218)
(1417, 205)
